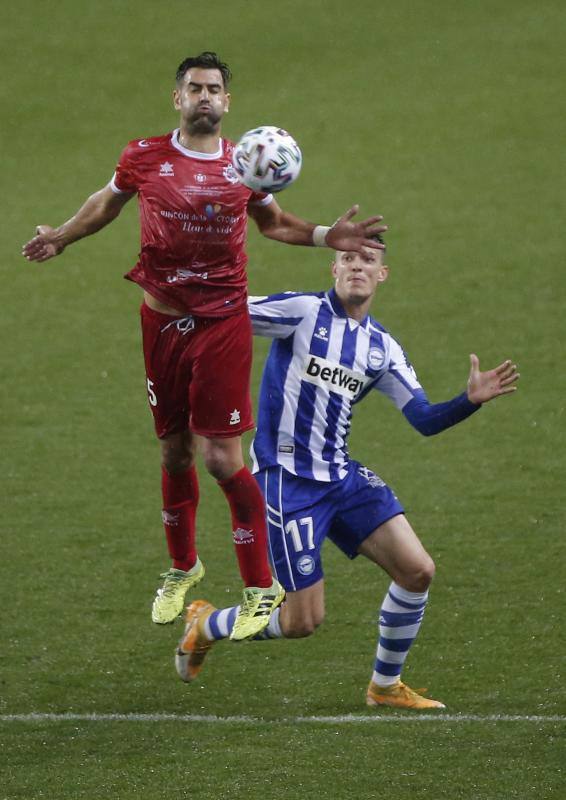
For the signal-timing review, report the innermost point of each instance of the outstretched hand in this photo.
(484, 386)
(346, 235)
(43, 246)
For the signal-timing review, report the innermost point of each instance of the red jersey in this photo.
(193, 217)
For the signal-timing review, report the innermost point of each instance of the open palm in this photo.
(484, 386)
(349, 236)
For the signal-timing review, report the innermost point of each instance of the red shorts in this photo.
(198, 373)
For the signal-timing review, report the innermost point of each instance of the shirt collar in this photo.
(194, 153)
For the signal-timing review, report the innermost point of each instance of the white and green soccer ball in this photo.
(267, 159)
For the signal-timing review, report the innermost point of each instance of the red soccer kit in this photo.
(193, 216)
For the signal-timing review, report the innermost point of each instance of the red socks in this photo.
(249, 527)
(180, 501)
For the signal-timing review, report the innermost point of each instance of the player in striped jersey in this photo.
(327, 355)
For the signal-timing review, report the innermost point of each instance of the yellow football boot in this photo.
(170, 599)
(257, 607)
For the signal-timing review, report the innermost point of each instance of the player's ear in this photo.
(227, 103)
(176, 99)
(383, 273)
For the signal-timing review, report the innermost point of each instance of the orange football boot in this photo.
(194, 646)
(399, 695)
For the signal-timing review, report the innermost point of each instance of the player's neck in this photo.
(199, 142)
(357, 311)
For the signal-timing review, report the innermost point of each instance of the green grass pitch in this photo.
(448, 119)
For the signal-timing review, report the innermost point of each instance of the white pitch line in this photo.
(335, 720)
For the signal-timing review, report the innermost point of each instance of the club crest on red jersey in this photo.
(230, 174)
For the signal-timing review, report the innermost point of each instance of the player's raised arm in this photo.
(100, 209)
(344, 235)
(400, 383)
(431, 418)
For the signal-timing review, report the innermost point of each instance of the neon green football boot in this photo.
(170, 599)
(257, 607)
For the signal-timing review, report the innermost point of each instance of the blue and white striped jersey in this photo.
(320, 364)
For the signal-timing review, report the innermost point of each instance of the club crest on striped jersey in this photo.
(334, 377)
(376, 358)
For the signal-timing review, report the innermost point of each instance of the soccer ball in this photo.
(267, 159)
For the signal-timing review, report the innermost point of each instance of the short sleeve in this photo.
(399, 381)
(260, 199)
(277, 316)
(124, 180)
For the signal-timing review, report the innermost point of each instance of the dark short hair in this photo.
(377, 237)
(205, 60)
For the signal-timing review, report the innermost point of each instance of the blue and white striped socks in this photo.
(400, 618)
(220, 623)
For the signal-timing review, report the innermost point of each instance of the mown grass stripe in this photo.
(332, 720)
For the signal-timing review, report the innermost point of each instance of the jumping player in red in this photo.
(195, 324)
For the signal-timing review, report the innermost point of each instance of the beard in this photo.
(203, 122)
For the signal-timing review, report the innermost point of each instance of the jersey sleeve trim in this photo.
(116, 189)
(262, 201)
(274, 327)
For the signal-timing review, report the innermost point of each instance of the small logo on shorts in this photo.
(373, 479)
(170, 519)
(305, 565)
(242, 536)
(235, 417)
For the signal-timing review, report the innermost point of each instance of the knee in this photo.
(176, 459)
(222, 462)
(301, 627)
(216, 465)
(421, 578)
